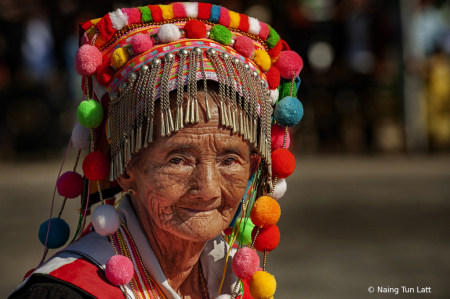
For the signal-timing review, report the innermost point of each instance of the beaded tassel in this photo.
(166, 122)
(179, 124)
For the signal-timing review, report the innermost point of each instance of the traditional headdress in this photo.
(133, 56)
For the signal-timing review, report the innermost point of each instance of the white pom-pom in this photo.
(274, 95)
(105, 220)
(80, 137)
(280, 189)
(224, 296)
(168, 33)
(118, 19)
(254, 26)
(191, 9)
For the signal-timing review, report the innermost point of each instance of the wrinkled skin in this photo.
(188, 187)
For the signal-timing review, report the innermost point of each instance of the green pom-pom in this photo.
(220, 34)
(244, 233)
(146, 14)
(272, 38)
(284, 89)
(90, 114)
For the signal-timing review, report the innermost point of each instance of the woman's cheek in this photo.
(235, 182)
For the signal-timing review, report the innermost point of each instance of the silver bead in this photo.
(132, 77)
(208, 33)
(130, 51)
(183, 52)
(246, 66)
(255, 74)
(232, 42)
(211, 51)
(156, 62)
(268, 92)
(182, 32)
(168, 56)
(114, 96)
(123, 86)
(143, 69)
(225, 55)
(263, 83)
(197, 50)
(236, 61)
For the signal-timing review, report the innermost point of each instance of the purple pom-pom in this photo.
(245, 263)
(119, 270)
(70, 184)
(141, 43)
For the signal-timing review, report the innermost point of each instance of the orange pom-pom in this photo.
(265, 212)
(283, 163)
(267, 238)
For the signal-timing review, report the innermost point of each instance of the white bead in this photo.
(168, 33)
(280, 189)
(105, 220)
(274, 95)
(80, 137)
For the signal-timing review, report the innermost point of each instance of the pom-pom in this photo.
(244, 45)
(262, 285)
(90, 114)
(168, 33)
(280, 189)
(96, 166)
(273, 78)
(195, 29)
(245, 263)
(80, 137)
(288, 111)
(285, 89)
(267, 238)
(119, 57)
(104, 74)
(220, 34)
(272, 38)
(262, 59)
(87, 60)
(70, 184)
(228, 231)
(287, 63)
(141, 43)
(283, 163)
(224, 296)
(244, 234)
(265, 212)
(277, 137)
(119, 270)
(57, 236)
(29, 272)
(274, 96)
(105, 220)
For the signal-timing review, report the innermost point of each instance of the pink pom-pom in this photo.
(119, 270)
(141, 43)
(287, 63)
(85, 39)
(70, 184)
(245, 263)
(277, 138)
(244, 45)
(87, 60)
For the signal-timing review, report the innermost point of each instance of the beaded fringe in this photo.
(131, 114)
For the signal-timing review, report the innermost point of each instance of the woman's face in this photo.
(190, 183)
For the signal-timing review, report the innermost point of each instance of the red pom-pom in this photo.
(267, 239)
(178, 10)
(204, 10)
(273, 77)
(96, 166)
(245, 263)
(70, 184)
(104, 74)
(133, 14)
(141, 43)
(28, 273)
(275, 51)
(228, 231)
(119, 270)
(195, 29)
(277, 137)
(87, 60)
(283, 163)
(243, 23)
(287, 63)
(244, 45)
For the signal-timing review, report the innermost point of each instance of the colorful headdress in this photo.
(133, 56)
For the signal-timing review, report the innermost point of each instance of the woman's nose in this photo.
(206, 182)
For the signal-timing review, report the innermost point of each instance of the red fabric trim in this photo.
(88, 277)
(244, 25)
(105, 27)
(204, 11)
(156, 13)
(86, 25)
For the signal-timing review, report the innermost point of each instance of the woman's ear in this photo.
(125, 180)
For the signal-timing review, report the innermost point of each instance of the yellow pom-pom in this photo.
(262, 59)
(119, 57)
(265, 212)
(262, 285)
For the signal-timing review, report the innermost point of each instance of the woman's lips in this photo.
(197, 212)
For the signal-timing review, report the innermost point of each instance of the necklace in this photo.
(142, 284)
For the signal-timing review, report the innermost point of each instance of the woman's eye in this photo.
(176, 161)
(228, 161)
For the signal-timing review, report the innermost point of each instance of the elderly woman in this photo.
(191, 159)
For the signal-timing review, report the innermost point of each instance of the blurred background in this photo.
(369, 204)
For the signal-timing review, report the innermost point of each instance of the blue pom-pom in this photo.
(288, 112)
(215, 14)
(58, 235)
